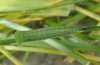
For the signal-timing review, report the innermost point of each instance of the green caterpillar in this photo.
(44, 33)
(50, 32)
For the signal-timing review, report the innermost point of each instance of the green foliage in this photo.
(60, 38)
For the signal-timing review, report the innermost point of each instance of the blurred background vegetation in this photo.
(22, 15)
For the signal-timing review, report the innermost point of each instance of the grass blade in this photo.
(67, 51)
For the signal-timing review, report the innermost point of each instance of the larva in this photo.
(44, 33)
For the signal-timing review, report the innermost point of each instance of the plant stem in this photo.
(88, 13)
(7, 41)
